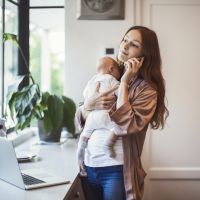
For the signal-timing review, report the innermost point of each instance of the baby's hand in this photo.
(99, 101)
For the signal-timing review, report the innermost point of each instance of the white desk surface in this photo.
(58, 159)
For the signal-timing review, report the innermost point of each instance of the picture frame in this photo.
(100, 10)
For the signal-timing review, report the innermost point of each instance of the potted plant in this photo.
(53, 112)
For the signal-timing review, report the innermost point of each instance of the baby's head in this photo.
(107, 65)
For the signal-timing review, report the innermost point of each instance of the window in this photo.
(9, 52)
(46, 48)
(47, 39)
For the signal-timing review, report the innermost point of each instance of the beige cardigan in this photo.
(133, 119)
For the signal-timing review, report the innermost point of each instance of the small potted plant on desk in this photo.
(53, 112)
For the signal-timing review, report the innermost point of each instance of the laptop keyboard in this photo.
(29, 180)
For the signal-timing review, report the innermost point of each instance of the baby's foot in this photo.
(82, 170)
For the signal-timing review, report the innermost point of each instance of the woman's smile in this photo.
(122, 55)
(123, 52)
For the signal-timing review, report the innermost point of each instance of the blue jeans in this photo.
(105, 183)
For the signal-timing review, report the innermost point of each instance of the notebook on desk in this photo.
(25, 179)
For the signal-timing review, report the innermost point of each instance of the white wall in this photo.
(171, 156)
(85, 40)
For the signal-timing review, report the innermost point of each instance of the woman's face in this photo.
(131, 46)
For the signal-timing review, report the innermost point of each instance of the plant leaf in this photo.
(53, 116)
(45, 96)
(69, 114)
(12, 37)
(14, 87)
(22, 105)
(25, 97)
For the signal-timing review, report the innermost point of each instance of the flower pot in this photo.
(52, 136)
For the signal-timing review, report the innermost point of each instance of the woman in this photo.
(140, 103)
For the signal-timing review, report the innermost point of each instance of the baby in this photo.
(108, 74)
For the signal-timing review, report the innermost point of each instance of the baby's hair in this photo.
(103, 65)
(115, 63)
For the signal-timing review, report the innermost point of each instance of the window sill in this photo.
(22, 136)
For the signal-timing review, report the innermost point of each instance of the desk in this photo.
(58, 159)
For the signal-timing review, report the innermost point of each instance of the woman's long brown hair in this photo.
(151, 72)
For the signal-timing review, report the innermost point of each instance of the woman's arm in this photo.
(134, 115)
(122, 94)
(96, 102)
(100, 101)
(132, 67)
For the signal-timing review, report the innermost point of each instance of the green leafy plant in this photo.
(30, 103)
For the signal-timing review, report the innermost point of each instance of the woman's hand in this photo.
(132, 67)
(100, 101)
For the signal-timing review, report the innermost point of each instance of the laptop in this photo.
(24, 179)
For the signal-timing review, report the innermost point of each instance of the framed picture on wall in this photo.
(100, 9)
